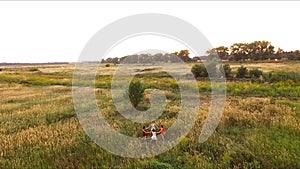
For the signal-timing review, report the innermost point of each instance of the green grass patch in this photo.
(60, 116)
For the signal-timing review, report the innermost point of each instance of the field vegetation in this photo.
(260, 126)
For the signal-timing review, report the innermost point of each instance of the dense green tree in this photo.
(199, 70)
(136, 92)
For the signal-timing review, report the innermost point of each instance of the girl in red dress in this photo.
(162, 132)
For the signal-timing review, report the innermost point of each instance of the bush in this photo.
(255, 73)
(135, 92)
(282, 76)
(107, 65)
(199, 71)
(297, 57)
(227, 70)
(33, 69)
(241, 72)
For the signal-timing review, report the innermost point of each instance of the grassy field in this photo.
(260, 126)
(289, 66)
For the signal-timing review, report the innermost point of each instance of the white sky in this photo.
(58, 31)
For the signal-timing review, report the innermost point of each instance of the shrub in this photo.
(135, 92)
(282, 76)
(199, 71)
(107, 65)
(241, 72)
(33, 69)
(227, 70)
(255, 73)
(297, 57)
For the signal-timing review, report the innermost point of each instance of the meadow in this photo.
(260, 126)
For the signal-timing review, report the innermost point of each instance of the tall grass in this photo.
(260, 126)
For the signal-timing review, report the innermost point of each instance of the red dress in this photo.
(162, 131)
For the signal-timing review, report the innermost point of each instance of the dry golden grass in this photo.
(58, 135)
(40, 119)
(253, 111)
(267, 67)
(56, 68)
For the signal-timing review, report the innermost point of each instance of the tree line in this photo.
(183, 55)
(254, 51)
(257, 50)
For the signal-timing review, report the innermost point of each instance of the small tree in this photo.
(241, 72)
(199, 70)
(136, 91)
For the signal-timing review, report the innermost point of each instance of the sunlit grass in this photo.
(291, 66)
(260, 126)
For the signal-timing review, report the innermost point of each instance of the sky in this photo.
(36, 32)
